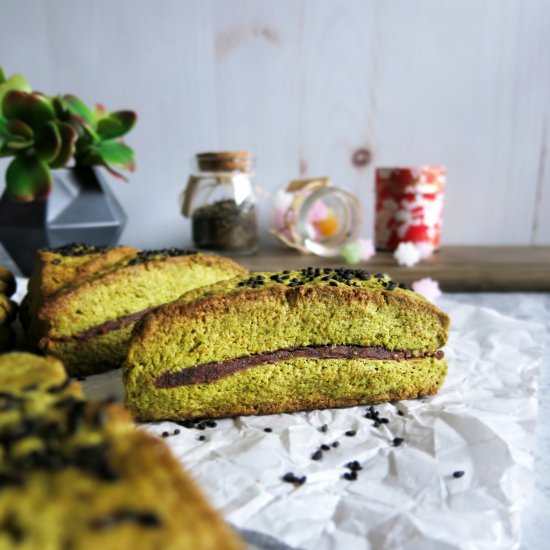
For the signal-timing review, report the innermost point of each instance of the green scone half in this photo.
(281, 342)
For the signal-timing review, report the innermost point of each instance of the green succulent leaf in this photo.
(28, 178)
(116, 124)
(33, 109)
(19, 128)
(14, 82)
(2, 75)
(4, 129)
(48, 142)
(18, 143)
(78, 108)
(114, 153)
(99, 111)
(68, 137)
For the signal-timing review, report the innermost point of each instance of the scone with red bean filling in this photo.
(286, 341)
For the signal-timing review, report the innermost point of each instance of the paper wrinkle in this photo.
(481, 422)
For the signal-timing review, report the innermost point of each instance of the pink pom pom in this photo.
(427, 288)
(367, 249)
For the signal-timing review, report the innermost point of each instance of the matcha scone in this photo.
(287, 341)
(83, 301)
(77, 474)
(8, 309)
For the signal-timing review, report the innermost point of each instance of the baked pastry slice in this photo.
(8, 309)
(83, 301)
(77, 474)
(287, 341)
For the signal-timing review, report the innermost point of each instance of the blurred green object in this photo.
(43, 133)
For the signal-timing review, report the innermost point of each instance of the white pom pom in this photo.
(407, 254)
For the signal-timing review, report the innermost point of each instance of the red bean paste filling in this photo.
(107, 326)
(211, 372)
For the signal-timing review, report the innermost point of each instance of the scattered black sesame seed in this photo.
(400, 413)
(325, 447)
(177, 432)
(75, 249)
(286, 272)
(384, 420)
(336, 444)
(458, 473)
(391, 285)
(202, 438)
(324, 428)
(292, 478)
(317, 455)
(350, 476)
(148, 255)
(397, 441)
(165, 434)
(268, 430)
(354, 466)
(350, 433)
(332, 283)
(211, 423)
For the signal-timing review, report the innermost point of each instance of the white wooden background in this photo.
(304, 84)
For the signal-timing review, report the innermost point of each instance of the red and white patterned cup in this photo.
(409, 206)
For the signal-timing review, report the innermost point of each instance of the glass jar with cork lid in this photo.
(219, 199)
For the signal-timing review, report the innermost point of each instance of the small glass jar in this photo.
(219, 199)
(409, 206)
(317, 217)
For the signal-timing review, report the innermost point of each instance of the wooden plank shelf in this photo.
(457, 268)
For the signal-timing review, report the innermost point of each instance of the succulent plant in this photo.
(43, 133)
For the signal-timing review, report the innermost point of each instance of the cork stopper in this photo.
(225, 161)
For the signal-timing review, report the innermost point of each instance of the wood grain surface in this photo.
(311, 87)
(457, 268)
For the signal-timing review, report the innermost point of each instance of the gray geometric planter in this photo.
(81, 208)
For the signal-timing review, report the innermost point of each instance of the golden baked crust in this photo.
(8, 309)
(76, 474)
(7, 282)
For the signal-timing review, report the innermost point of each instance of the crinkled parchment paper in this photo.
(405, 496)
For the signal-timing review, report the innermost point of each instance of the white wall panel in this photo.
(305, 84)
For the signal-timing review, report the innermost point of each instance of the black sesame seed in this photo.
(400, 413)
(165, 434)
(332, 283)
(350, 433)
(268, 430)
(325, 447)
(458, 473)
(177, 432)
(286, 272)
(384, 420)
(336, 444)
(292, 478)
(354, 466)
(350, 476)
(202, 438)
(391, 285)
(211, 423)
(324, 428)
(397, 441)
(317, 455)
